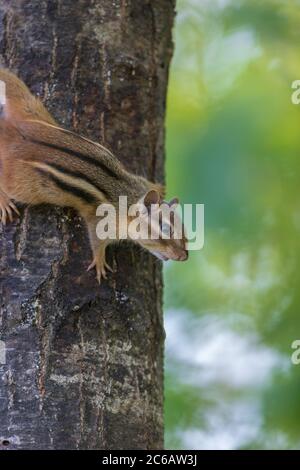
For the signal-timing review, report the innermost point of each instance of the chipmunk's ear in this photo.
(152, 197)
(174, 202)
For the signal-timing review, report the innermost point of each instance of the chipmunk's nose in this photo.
(183, 256)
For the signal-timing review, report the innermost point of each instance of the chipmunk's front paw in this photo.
(7, 209)
(101, 266)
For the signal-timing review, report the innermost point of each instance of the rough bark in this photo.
(84, 364)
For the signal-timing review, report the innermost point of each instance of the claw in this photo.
(7, 207)
(92, 265)
(108, 267)
(14, 208)
(3, 216)
(10, 215)
(100, 264)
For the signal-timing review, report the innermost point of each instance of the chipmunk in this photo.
(41, 162)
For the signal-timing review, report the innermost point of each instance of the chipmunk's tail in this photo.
(16, 101)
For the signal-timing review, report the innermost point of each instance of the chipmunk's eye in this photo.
(165, 226)
(166, 229)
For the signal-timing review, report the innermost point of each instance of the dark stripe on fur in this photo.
(77, 192)
(77, 174)
(81, 156)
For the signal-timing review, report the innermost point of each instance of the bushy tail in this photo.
(16, 101)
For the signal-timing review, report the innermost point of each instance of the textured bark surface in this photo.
(84, 364)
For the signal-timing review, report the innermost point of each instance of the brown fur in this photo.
(43, 163)
(20, 103)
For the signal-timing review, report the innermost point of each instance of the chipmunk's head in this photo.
(161, 228)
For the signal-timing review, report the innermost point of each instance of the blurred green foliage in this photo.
(233, 143)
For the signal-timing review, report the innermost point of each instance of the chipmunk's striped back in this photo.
(43, 163)
(75, 163)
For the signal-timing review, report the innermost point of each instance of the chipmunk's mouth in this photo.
(178, 257)
(160, 256)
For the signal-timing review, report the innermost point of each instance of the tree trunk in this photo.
(84, 364)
